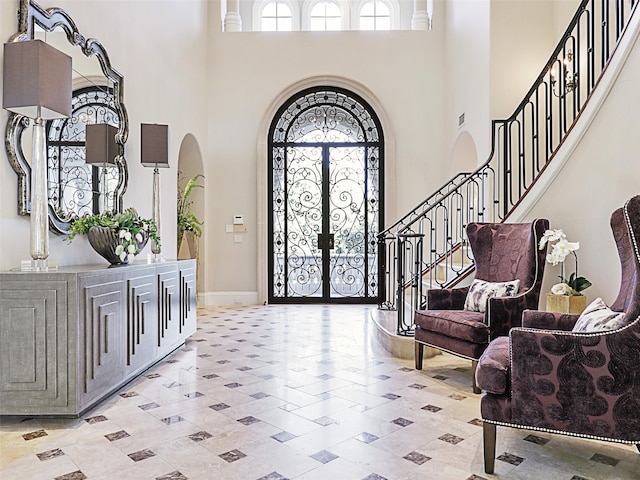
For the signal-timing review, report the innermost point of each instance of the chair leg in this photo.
(419, 354)
(489, 441)
(474, 366)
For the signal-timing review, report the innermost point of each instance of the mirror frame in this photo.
(31, 15)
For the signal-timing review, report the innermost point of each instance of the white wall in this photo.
(250, 70)
(598, 176)
(522, 39)
(160, 48)
(467, 65)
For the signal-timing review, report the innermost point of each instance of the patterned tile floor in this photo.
(294, 392)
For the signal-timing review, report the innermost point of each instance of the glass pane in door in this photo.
(303, 199)
(347, 212)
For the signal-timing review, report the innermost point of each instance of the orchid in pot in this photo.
(560, 250)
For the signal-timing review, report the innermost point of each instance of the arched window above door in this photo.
(324, 15)
(376, 15)
(276, 15)
(326, 116)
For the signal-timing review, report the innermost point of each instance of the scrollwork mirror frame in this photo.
(31, 15)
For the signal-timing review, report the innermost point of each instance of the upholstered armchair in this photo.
(503, 252)
(545, 377)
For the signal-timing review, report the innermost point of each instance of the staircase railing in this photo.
(429, 245)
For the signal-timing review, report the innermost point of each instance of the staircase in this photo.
(427, 247)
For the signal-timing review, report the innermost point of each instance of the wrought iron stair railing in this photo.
(428, 245)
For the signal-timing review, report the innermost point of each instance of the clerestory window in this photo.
(325, 16)
(375, 15)
(276, 17)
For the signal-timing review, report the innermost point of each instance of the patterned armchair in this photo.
(503, 252)
(545, 377)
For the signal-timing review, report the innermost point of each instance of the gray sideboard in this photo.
(70, 338)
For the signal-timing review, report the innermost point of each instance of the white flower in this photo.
(556, 256)
(139, 237)
(119, 249)
(131, 249)
(561, 289)
(127, 236)
(122, 233)
(122, 256)
(551, 236)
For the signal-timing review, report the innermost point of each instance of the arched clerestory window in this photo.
(276, 15)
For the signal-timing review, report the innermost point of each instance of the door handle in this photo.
(330, 242)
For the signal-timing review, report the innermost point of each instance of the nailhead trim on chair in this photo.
(562, 432)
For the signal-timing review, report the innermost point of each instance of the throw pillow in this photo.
(481, 291)
(597, 317)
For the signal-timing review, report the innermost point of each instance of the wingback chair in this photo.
(545, 377)
(503, 252)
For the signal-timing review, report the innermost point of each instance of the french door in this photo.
(325, 194)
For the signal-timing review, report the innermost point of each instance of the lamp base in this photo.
(40, 265)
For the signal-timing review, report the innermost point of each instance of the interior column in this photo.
(232, 20)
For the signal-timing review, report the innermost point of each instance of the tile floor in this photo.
(294, 392)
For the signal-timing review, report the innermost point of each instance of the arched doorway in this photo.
(326, 159)
(190, 165)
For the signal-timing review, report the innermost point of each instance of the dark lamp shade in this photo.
(154, 141)
(101, 147)
(36, 75)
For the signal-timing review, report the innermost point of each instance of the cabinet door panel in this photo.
(34, 373)
(142, 327)
(168, 310)
(101, 338)
(187, 298)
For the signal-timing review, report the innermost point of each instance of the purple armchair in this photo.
(503, 252)
(544, 377)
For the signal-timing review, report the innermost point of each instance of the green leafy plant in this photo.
(187, 220)
(130, 226)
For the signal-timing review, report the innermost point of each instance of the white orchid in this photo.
(559, 252)
(551, 236)
(561, 289)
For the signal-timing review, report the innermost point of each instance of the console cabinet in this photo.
(70, 338)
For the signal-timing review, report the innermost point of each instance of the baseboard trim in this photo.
(227, 298)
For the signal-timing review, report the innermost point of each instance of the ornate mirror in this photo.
(74, 188)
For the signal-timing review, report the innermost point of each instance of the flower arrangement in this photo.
(559, 252)
(131, 230)
(187, 220)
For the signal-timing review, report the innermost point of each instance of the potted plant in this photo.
(566, 296)
(117, 236)
(187, 220)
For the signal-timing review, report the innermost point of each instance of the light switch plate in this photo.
(237, 239)
(228, 228)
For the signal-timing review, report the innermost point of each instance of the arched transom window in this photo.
(325, 16)
(375, 15)
(276, 17)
